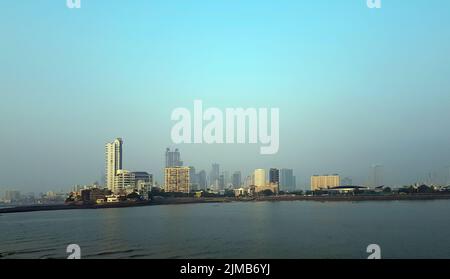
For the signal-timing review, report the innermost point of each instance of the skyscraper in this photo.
(202, 182)
(193, 178)
(221, 181)
(173, 158)
(113, 162)
(214, 175)
(226, 178)
(260, 177)
(237, 179)
(287, 180)
(274, 175)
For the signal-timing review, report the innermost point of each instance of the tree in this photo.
(424, 189)
(133, 196)
(267, 192)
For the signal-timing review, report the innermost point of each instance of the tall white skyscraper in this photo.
(113, 162)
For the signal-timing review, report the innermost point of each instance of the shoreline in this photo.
(178, 201)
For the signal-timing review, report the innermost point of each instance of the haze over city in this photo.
(354, 86)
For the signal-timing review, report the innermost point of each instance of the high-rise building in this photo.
(193, 178)
(249, 181)
(214, 174)
(226, 178)
(113, 162)
(376, 176)
(287, 180)
(202, 182)
(237, 179)
(325, 181)
(221, 181)
(173, 158)
(259, 177)
(274, 175)
(177, 180)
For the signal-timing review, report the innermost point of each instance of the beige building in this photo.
(325, 181)
(259, 178)
(177, 179)
(113, 162)
(123, 180)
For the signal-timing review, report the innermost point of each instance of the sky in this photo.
(354, 86)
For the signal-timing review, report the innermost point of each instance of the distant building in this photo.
(112, 199)
(11, 196)
(287, 180)
(123, 180)
(113, 162)
(177, 180)
(347, 181)
(259, 177)
(240, 192)
(214, 175)
(221, 182)
(173, 158)
(249, 181)
(274, 176)
(193, 178)
(325, 181)
(94, 195)
(129, 181)
(202, 181)
(143, 188)
(237, 179)
(376, 176)
(347, 189)
(142, 176)
(226, 179)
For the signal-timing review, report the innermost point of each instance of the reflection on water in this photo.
(403, 229)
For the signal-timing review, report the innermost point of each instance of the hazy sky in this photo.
(354, 86)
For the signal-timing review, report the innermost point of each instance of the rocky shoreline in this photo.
(168, 201)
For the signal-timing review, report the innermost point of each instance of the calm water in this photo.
(407, 229)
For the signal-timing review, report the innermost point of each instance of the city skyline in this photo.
(354, 86)
(172, 159)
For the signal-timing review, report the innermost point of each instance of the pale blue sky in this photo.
(354, 86)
